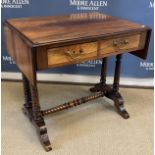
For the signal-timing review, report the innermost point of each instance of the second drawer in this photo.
(120, 44)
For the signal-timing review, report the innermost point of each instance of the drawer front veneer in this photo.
(120, 44)
(71, 54)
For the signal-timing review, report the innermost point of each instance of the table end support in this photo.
(112, 92)
(118, 102)
(40, 127)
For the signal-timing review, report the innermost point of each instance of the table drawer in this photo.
(71, 54)
(120, 44)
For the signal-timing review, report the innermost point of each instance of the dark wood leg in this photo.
(102, 85)
(39, 120)
(27, 93)
(103, 71)
(117, 73)
(114, 93)
(119, 103)
(32, 110)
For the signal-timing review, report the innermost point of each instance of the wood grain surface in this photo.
(123, 43)
(20, 52)
(71, 54)
(52, 29)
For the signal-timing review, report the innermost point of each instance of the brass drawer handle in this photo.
(120, 44)
(74, 55)
(126, 41)
(81, 50)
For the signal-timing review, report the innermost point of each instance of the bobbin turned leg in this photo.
(38, 119)
(32, 110)
(27, 107)
(102, 85)
(32, 107)
(114, 94)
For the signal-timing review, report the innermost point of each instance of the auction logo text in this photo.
(14, 4)
(88, 5)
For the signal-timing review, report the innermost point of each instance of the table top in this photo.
(54, 29)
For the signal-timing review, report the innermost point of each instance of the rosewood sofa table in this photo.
(39, 43)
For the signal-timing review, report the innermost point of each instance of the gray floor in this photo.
(90, 129)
